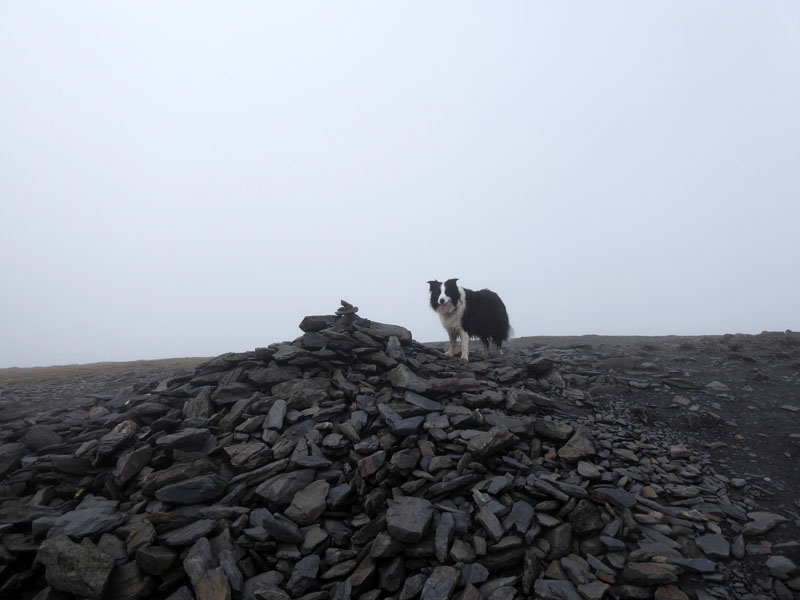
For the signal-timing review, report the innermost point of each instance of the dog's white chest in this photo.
(451, 321)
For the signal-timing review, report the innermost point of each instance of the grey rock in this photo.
(408, 519)
(444, 536)
(714, 545)
(553, 430)
(39, 437)
(761, 522)
(130, 463)
(188, 534)
(403, 378)
(309, 503)
(280, 489)
(117, 438)
(189, 439)
(204, 488)
(781, 567)
(579, 446)
(422, 402)
(490, 523)
(86, 522)
(128, 583)
(277, 526)
(472, 573)
(441, 584)
(555, 589)
(213, 585)
(155, 560)
(520, 517)
(276, 415)
(198, 560)
(596, 590)
(385, 546)
(491, 442)
(239, 454)
(304, 575)
(413, 586)
(78, 569)
(648, 574)
(462, 552)
(300, 394)
(614, 496)
(560, 540)
(585, 518)
(392, 574)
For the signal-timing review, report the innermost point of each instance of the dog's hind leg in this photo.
(485, 342)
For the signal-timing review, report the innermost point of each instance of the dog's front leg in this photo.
(452, 349)
(464, 345)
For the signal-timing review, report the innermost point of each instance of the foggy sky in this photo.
(188, 178)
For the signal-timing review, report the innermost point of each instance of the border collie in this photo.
(465, 313)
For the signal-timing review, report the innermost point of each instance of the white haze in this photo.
(192, 178)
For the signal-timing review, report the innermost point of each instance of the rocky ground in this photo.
(355, 462)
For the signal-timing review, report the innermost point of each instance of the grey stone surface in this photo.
(78, 569)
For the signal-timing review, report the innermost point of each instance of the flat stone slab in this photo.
(409, 519)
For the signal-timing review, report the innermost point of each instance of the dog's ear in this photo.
(433, 283)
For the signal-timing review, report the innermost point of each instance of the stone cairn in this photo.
(357, 463)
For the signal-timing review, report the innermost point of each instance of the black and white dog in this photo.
(465, 313)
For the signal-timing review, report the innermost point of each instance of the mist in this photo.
(190, 178)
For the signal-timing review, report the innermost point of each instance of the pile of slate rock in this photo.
(357, 463)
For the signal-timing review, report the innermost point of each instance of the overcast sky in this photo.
(190, 178)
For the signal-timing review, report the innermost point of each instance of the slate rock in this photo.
(585, 518)
(309, 503)
(128, 583)
(188, 439)
(579, 446)
(648, 574)
(403, 378)
(555, 589)
(39, 437)
(277, 526)
(130, 463)
(204, 488)
(85, 522)
(441, 584)
(413, 586)
(781, 567)
(155, 560)
(198, 560)
(761, 522)
(300, 394)
(491, 442)
(304, 575)
(615, 496)
(117, 438)
(188, 534)
(714, 545)
(213, 585)
(553, 430)
(77, 569)
(409, 519)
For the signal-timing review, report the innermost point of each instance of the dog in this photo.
(465, 313)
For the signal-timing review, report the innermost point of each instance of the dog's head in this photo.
(444, 296)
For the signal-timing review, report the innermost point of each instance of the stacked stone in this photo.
(354, 463)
